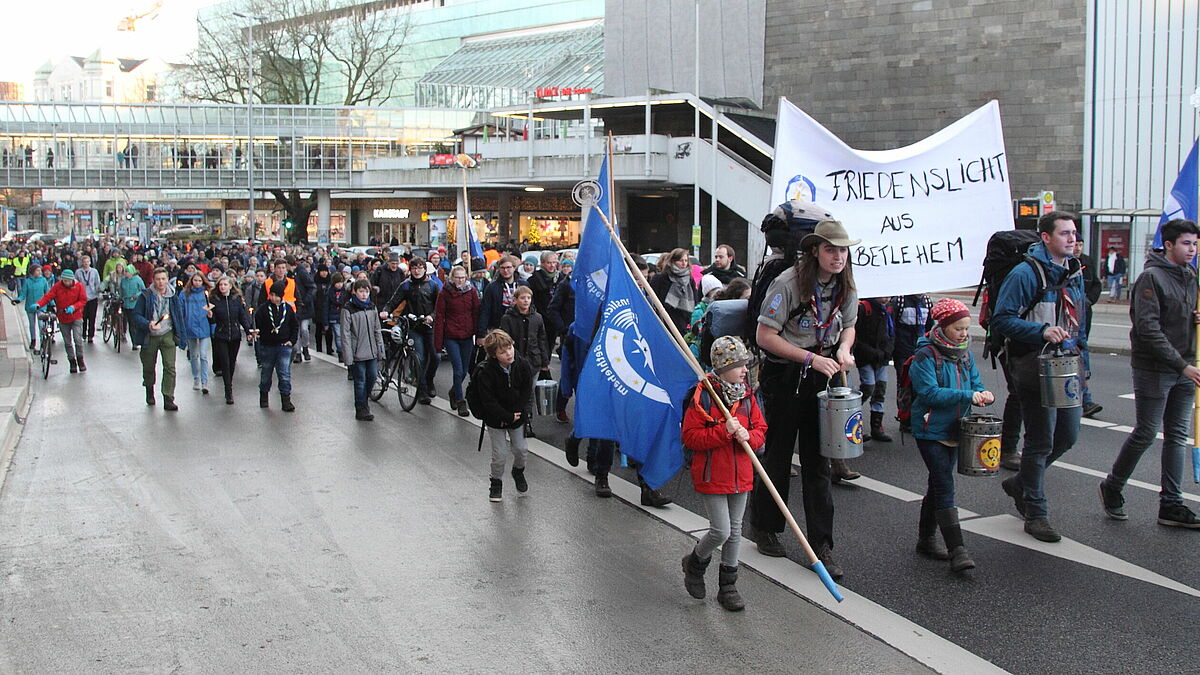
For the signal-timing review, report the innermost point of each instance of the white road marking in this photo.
(1135, 483)
(1129, 396)
(1010, 529)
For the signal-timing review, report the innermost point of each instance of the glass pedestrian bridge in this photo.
(206, 146)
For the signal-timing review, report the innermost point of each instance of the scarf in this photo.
(680, 296)
(730, 393)
(361, 304)
(953, 351)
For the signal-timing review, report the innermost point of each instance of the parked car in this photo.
(18, 235)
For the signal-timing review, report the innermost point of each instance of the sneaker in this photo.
(1113, 502)
(1091, 408)
(1040, 529)
(496, 491)
(1013, 489)
(462, 408)
(1177, 515)
(561, 416)
(825, 555)
(196, 385)
(519, 480)
(769, 545)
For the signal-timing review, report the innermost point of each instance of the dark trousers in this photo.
(790, 405)
(89, 319)
(364, 374)
(225, 353)
(1010, 432)
(940, 460)
(427, 358)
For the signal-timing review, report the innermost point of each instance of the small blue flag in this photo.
(591, 262)
(1181, 203)
(634, 380)
(472, 242)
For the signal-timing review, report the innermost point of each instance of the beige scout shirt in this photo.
(784, 310)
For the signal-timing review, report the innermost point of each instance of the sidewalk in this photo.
(14, 382)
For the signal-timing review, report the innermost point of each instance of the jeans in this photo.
(89, 318)
(1049, 432)
(35, 325)
(790, 404)
(72, 334)
(869, 376)
(1010, 432)
(156, 345)
(600, 455)
(940, 460)
(1114, 286)
(459, 351)
(724, 527)
(1159, 398)
(505, 441)
(364, 373)
(1086, 355)
(276, 359)
(427, 358)
(335, 330)
(305, 340)
(198, 350)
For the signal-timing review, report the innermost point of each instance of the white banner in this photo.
(923, 212)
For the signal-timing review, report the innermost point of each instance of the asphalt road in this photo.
(233, 539)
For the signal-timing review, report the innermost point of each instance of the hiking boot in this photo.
(363, 413)
(727, 593)
(496, 491)
(839, 471)
(930, 547)
(825, 555)
(877, 432)
(264, 399)
(1040, 529)
(960, 561)
(286, 401)
(1177, 515)
(602, 488)
(463, 411)
(74, 366)
(693, 574)
(1012, 488)
(82, 365)
(1091, 408)
(150, 395)
(1113, 502)
(519, 479)
(769, 545)
(307, 357)
(654, 498)
(169, 403)
(572, 450)
(424, 400)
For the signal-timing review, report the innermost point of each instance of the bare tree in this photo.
(308, 52)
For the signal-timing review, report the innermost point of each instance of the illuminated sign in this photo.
(390, 213)
(551, 92)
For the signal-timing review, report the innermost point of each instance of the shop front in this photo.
(402, 225)
(551, 230)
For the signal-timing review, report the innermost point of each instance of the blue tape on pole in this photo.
(819, 568)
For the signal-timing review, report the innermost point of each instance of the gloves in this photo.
(69, 310)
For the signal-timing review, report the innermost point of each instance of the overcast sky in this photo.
(40, 30)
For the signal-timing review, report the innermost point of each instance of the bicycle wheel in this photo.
(106, 327)
(46, 359)
(118, 331)
(407, 379)
(383, 379)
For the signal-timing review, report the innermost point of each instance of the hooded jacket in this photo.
(528, 331)
(942, 391)
(64, 297)
(501, 394)
(719, 465)
(1017, 292)
(229, 317)
(1161, 304)
(191, 319)
(361, 339)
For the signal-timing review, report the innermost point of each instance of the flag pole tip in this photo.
(819, 568)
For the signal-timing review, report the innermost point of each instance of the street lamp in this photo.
(250, 114)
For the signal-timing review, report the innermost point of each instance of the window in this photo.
(151, 92)
(108, 89)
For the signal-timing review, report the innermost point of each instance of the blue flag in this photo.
(634, 380)
(1181, 203)
(472, 242)
(591, 263)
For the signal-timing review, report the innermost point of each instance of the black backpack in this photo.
(1005, 250)
(472, 393)
(763, 279)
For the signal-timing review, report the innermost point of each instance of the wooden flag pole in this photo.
(464, 234)
(665, 319)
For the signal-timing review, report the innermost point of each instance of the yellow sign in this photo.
(989, 453)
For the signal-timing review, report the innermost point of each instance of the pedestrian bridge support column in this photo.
(322, 217)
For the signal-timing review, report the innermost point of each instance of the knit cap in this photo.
(728, 353)
(68, 274)
(949, 310)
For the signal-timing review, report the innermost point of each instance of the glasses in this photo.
(506, 267)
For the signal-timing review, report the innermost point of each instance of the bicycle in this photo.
(400, 363)
(112, 325)
(47, 342)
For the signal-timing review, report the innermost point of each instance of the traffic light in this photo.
(112, 222)
(288, 224)
(128, 216)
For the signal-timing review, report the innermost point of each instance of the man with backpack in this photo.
(1041, 302)
(1163, 340)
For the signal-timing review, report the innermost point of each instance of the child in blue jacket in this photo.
(945, 384)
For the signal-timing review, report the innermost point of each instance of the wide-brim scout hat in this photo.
(830, 231)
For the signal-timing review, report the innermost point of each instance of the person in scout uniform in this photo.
(806, 330)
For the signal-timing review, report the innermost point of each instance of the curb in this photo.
(15, 399)
(1115, 350)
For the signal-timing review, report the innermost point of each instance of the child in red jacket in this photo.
(721, 470)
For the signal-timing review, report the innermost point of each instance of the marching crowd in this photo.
(770, 344)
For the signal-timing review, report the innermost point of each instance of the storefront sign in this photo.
(390, 213)
(189, 212)
(1114, 238)
(551, 92)
(447, 159)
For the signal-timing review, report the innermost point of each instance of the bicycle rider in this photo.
(418, 296)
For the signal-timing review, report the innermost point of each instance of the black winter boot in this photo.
(169, 403)
(495, 490)
(286, 400)
(877, 432)
(228, 391)
(727, 593)
(927, 541)
(519, 480)
(602, 488)
(947, 520)
(264, 399)
(74, 365)
(654, 498)
(363, 413)
(150, 395)
(868, 390)
(693, 574)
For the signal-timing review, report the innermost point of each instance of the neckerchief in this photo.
(276, 326)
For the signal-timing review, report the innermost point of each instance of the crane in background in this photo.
(129, 23)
